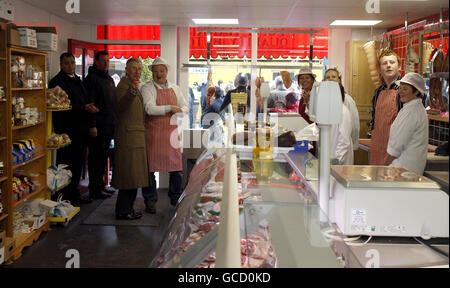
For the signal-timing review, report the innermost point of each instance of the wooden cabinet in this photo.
(4, 131)
(360, 87)
(36, 165)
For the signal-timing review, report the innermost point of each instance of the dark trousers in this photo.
(97, 158)
(175, 181)
(125, 201)
(73, 155)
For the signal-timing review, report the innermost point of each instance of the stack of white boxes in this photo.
(27, 37)
(47, 41)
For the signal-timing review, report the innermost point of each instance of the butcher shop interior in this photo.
(224, 134)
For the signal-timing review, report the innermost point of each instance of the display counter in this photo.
(434, 162)
(281, 224)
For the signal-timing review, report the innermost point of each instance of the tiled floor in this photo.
(98, 246)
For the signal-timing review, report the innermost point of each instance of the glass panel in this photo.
(287, 235)
(89, 60)
(79, 54)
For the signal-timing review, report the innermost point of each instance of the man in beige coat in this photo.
(130, 169)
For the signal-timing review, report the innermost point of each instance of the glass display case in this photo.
(279, 223)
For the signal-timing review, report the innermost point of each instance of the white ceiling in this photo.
(251, 13)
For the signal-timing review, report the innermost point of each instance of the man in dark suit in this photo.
(100, 87)
(74, 123)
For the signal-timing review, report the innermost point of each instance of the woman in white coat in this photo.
(162, 100)
(333, 74)
(341, 134)
(408, 137)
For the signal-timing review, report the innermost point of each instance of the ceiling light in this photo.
(355, 22)
(216, 21)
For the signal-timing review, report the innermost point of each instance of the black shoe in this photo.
(137, 213)
(131, 216)
(79, 201)
(101, 195)
(150, 208)
(173, 202)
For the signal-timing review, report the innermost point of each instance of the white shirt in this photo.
(148, 92)
(341, 139)
(351, 105)
(408, 138)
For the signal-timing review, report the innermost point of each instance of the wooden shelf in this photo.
(21, 201)
(58, 147)
(25, 240)
(27, 162)
(3, 217)
(25, 50)
(3, 179)
(2, 100)
(27, 89)
(14, 128)
(59, 188)
(58, 109)
(34, 96)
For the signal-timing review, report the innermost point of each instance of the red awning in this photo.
(128, 51)
(132, 32)
(284, 45)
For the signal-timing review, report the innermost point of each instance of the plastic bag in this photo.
(310, 133)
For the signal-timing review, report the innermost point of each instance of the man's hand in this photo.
(135, 84)
(90, 108)
(175, 109)
(93, 132)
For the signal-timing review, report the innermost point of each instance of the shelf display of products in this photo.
(58, 141)
(25, 75)
(24, 185)
(57, 98)
(25, 150)
(23, 115)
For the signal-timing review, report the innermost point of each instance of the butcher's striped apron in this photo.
(162, 155)
(385, 112)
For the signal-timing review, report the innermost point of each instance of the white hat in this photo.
(415, 80)
(159, 61)
(305, 70)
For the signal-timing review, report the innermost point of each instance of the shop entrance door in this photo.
(84, 55)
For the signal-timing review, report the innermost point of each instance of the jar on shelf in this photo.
(2, 169)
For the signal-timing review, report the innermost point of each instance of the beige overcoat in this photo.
(130, 156)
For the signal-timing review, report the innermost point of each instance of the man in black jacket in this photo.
(74, 123)
(100, 87)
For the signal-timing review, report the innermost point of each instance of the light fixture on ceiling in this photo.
(216, 21)
(355, 22)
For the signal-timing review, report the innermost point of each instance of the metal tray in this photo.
(380, 177)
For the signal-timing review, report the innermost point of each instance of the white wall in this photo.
(336, 48)
(26, 14)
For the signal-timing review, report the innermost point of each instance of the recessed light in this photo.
(355, 22)
(216, 21)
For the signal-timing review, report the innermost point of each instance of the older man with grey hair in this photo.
(277, 95)
(130, 152)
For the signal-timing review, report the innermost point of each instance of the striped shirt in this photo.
(383, 87)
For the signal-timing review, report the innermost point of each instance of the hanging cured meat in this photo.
(210, 88)
(286, 79)
(439, 65)
(411, 58)
(427, 48)
(371, 53)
